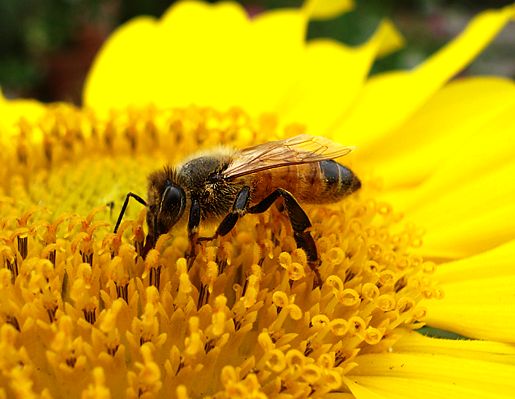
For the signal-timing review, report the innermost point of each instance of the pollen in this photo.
(83, 314)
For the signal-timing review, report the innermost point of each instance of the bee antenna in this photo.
(124, 208)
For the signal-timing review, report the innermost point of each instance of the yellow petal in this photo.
(221, 60)
(360, 391)
(198, 60)
(473, 139)
(478, 267)
(392, 39)
(470, 349)
(389, 99)
(478, 296)
(273, 69)
(339, 395)
(452, 369)
(332, 76)
(170, 62)
(11, 111)
(470, 219)
(478, 309)
(452, 129)
(325, 9)
(468, 45)
(119, 77)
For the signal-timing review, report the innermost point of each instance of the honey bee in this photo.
(226, 184)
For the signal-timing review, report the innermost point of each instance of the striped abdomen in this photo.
(318, 182)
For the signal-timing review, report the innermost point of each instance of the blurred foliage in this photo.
(30, 30)
(426, 24)
(46, 47)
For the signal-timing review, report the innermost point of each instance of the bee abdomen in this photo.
(338, 180)
(315, 183)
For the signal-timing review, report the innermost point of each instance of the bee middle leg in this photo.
(193, 227)
(299, 222)
(239, 209)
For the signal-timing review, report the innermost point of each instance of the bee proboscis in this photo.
(225, 184)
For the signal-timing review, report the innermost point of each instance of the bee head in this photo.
(165, 214)
(167, 202)
(171, 208)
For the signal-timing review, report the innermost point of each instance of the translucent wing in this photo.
(292, 151)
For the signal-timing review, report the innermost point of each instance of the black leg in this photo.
(124, 208)
(299, 222)
(239, 209)
(152, 236)
(193, 226)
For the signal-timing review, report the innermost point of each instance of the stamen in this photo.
(245, 314)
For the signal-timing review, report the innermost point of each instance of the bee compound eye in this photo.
(171, 198)
(173, 201)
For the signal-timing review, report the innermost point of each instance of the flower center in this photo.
(244, 320)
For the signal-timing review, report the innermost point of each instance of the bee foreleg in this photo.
(193, 227)
(124, 208)
(239, 209)
(299, 222)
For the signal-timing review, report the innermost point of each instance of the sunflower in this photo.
(428, 240)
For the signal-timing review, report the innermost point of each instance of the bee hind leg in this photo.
(300, 223)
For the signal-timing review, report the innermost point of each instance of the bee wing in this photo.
(292, 151)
